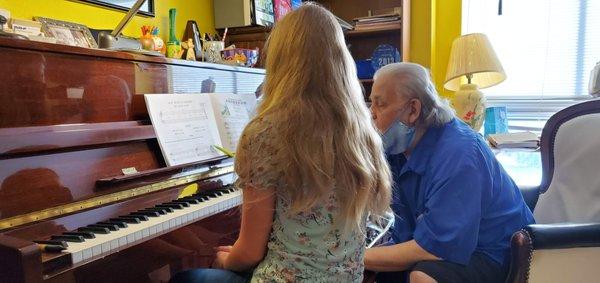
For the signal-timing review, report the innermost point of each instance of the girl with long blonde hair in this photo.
(311, 163)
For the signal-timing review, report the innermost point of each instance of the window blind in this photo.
(547, 48)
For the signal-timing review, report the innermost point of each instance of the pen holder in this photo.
(212, 51)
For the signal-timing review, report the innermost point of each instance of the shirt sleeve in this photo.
(449, 224)
(255, 164)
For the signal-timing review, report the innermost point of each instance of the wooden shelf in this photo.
(383, 30)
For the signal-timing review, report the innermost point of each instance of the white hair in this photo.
(415, 81)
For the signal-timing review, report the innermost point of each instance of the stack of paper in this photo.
(377, 22)
(514, 140)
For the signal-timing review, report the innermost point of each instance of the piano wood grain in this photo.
(71, 116)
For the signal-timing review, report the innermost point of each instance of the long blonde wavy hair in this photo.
(312, 94)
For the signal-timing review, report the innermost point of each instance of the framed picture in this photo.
(67, 33)
(147, 8)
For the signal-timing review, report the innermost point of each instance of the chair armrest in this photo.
(564, 235)
(530, 195)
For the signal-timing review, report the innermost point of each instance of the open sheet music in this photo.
(188, 126)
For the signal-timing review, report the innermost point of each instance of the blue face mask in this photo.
(398, 137)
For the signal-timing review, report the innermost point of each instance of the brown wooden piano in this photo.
(81, 170)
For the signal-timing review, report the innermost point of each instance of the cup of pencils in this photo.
(212, 45)
(212, 51)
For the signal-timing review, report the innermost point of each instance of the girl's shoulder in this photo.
(259, 125)
(259, 130)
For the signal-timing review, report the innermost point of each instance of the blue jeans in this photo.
(210, 275)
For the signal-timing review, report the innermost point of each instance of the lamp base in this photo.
(469, 104)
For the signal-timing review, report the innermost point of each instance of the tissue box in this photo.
(495, 121)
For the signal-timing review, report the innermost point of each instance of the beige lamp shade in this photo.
(472, 54)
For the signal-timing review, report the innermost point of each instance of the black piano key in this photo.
(227, 190)
(86, 235)
(111, 227)
(68, 238)
(95, 230)
(185, 204)
(146, 213)
(189, 200)
(167, 209)
(206, 195)
(121, 224)
(161, 211)
(214, 193)
(52, 242)
(127, 220)
(171, 205)
(138, 217)
(53, 248)
(199, 198)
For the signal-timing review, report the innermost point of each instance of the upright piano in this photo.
(81, 169)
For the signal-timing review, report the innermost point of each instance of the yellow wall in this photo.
(103, 18)
(446, 27)
(434, 25)
(420, 32)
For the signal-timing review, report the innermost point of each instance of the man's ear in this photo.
(415, 111)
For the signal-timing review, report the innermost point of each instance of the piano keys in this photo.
(72, 121)
(128, 232)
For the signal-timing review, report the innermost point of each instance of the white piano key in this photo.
(104, 244)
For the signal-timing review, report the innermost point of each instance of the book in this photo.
(378, 19)
(378, 26)
(514, 140)
(196, 127)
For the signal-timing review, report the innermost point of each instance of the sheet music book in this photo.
(187, 126)
(514, 140)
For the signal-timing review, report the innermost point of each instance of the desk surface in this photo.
(523, 165)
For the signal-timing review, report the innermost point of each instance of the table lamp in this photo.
(473, 65)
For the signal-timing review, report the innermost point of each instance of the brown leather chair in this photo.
(565, 244)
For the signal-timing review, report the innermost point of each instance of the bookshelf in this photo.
(368, 33)
(362, 43)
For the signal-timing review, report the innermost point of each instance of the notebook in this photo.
(189, 126)
(514, 140)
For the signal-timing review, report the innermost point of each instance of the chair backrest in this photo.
(570, 147)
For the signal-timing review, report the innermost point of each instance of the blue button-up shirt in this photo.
(453, 197)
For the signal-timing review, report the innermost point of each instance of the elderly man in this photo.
(456, 208)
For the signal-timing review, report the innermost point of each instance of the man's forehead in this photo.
(385, 87)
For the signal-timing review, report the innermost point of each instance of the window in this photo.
(547, 48)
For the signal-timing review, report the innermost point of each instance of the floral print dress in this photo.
(304, 247)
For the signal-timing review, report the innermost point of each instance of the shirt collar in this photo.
(419, 158)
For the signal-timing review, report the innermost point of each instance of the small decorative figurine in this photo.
(189, 46)
(159, 44)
